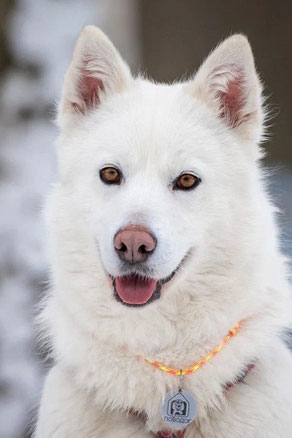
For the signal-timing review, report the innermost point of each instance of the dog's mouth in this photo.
(137, 288)
(134, 290)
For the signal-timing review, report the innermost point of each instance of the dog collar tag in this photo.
(178, 409)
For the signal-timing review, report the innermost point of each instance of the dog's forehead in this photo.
(153, 122)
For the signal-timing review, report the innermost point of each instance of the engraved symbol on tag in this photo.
(178, 409)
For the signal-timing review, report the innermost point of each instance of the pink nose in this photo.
(134, 243)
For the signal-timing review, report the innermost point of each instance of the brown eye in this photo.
(110, 175)
(186, 181)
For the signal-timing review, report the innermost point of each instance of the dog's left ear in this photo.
(96, 71)
(228, 84)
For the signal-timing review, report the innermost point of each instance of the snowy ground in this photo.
(27, 169)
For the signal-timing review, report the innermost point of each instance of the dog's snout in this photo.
(134, 244)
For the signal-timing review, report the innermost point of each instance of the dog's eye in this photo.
(110, 175)
(186, 181)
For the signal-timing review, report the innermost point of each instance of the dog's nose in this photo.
(134, 243)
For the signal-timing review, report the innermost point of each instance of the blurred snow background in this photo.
(40, 38)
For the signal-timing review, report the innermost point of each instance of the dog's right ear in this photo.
(96, 71)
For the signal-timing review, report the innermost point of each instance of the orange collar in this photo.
(193, 368)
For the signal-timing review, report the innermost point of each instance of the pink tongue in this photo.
(135, 290)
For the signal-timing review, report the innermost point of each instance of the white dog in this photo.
(163, 238)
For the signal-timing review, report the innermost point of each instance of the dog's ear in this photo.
(228, 84)
(96, 70)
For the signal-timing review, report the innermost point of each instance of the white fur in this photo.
(233, 271)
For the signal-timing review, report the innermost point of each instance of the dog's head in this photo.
(156, 179)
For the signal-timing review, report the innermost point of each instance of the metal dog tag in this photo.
(178, 409)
